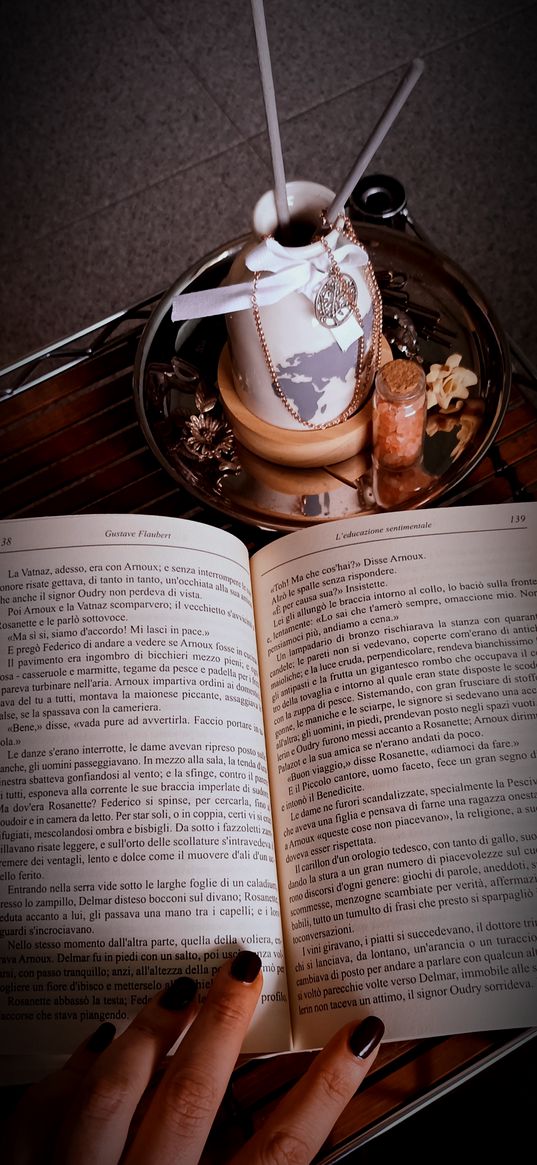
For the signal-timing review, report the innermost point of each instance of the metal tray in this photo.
(431, 309)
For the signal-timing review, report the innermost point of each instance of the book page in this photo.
(135, 829)
(399, 655)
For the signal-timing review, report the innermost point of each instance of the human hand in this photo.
(101, 1106)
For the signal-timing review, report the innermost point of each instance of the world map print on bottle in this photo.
(307, 360)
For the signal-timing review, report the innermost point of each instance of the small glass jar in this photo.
(399, 414)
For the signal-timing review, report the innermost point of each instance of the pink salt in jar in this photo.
(399, 414)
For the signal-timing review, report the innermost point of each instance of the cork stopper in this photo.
(402, 378)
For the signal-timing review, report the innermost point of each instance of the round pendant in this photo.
(335, 300)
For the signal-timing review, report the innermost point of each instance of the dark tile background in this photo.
(133, 140)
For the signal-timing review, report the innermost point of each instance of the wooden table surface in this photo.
(72, 444)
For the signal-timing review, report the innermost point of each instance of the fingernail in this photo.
(245, 966)
(101, 1037)
(364, 1039)
(179, 994)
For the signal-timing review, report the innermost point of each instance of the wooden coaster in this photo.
(309, 449)
(295, 480)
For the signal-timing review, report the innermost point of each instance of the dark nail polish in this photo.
(366, 1036)
(179, 994)
(101, 1037)
(245, 966)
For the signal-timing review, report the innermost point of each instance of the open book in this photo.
(326, 754)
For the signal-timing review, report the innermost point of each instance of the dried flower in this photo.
(449, 382)
(462, 427)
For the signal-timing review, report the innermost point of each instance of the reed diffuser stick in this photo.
(380, 131)
(269, 97)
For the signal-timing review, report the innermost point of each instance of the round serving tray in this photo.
(431, 309)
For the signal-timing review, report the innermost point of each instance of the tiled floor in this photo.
(133, 140)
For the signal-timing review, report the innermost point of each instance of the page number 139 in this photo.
(518, 519)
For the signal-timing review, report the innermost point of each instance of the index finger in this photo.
(181, 1114)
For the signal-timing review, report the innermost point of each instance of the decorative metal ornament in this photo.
(335, 300)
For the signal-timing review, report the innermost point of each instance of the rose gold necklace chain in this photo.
(363, 367)
(373, 288)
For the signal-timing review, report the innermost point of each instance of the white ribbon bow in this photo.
(287, 273)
